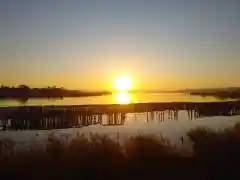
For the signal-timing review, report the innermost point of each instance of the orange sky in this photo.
(83, 45)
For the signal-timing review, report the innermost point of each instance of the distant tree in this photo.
(22, 86)
(2, 86)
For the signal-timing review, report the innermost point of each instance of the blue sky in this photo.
(84, 43)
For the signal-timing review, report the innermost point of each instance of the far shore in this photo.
(86, 94)
(23, 92)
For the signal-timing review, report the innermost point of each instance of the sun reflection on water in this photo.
(123, 98)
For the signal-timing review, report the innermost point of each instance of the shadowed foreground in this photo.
(215, 155)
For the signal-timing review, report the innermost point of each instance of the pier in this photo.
(57, 117)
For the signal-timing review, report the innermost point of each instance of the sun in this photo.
(123, 98)
(122, 83)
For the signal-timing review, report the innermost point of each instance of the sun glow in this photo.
(123, 98)
(122, 83)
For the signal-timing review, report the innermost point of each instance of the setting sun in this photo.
(122, 83)
(123, 98)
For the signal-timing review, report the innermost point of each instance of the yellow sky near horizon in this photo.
(140, 82)
(85, 45)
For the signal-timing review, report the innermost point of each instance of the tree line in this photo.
(23, 91)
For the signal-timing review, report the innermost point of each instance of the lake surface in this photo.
(133, 124)
(118, 98)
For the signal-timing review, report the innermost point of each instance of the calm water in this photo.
(119, 98)
(134, 123)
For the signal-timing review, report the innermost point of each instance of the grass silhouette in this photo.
(215, 154)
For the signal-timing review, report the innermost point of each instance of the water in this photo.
(134, 123)
(119, 98)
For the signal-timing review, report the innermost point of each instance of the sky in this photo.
(84, 44)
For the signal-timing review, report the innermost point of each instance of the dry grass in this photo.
(214, 154)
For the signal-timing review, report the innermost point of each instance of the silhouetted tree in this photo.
(22, 86)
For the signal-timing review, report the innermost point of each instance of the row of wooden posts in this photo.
(71, 118)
